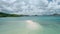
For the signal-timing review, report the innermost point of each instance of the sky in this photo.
(30, 7)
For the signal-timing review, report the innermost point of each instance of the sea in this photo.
(30, 25)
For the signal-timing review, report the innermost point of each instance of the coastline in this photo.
(16, 15)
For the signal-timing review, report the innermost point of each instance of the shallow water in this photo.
(35, 25)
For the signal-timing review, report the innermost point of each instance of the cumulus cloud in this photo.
(30, 7)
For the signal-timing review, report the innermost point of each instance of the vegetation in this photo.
(15, 15)
(56, 14)
(10, 15)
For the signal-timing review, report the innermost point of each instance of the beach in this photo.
(30, 25)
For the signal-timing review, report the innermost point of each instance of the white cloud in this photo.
(30, 6)
(9, 1)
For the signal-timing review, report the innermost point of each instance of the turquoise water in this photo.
(18, 25)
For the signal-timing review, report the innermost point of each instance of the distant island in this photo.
(10, 15)
(16, 15)
(55, 14)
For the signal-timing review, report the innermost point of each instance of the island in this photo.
(16, 15)
(55, 14)
(10, 15)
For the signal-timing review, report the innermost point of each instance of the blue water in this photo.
(17, 25)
